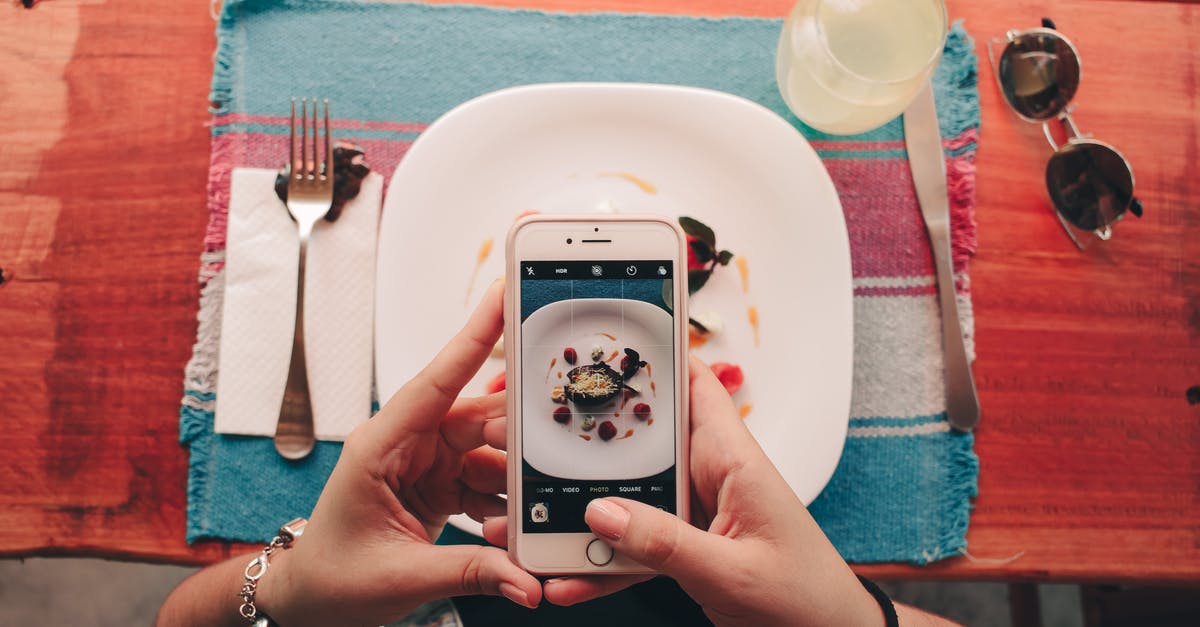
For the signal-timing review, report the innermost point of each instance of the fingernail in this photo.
(514, 594)
(607, 519)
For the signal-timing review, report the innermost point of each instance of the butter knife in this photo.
(924, 144)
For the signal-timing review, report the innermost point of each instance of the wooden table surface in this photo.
(1089, 449)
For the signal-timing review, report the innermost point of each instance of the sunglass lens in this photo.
(1090, 184)
(1039, 73)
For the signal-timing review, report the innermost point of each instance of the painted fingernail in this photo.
(514, 594)
(607, 519)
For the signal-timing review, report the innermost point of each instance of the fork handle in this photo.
(962, 401)
(294, 436)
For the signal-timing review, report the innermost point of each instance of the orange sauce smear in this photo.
(752, 313)
(744, 270)
(653, 389)
(695, 338)
(642, 184)
(612, 356)
(485, 250)
(649, 421)
(610, 336)
(585, 436)
(745, 409)
(553, 360)
(627, 434)
(649, 371)
(560, 374)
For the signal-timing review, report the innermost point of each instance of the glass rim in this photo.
(841, 67)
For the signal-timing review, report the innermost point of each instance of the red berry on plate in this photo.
(495, 385)
(562, 415)
(570, 356)
(729, 375)
(642, 411)
(607, 430)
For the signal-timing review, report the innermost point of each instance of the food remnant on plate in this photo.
(588, 422)
(549, 369)
(744, 270)
(610, 336)
(558, 374)
(485, 250)
(562, 415)
(607, 430)
(753, 315)
(611, 357)
(570, 356)
(627, 434)
(641, 411)
(653, 389)
(593, 384)
(703, 326)
(650, 421)
(498, 349)
(585, 437)
(631, 363)
(744, 410)
(496, 384)
(642, 184)
(558, 394)
(597, 352)
(729, 375)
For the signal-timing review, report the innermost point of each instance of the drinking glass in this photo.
(848, 66)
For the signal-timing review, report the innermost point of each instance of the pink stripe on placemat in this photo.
(337, 123)
(264, 150)
(886, 240)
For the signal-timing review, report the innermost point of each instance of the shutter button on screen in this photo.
(599, 553)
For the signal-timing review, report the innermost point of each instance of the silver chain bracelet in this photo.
(286, 535)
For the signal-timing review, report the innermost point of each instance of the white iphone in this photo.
(596, 343)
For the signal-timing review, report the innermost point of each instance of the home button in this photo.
(599, 553)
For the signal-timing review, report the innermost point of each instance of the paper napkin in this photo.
(261, 264)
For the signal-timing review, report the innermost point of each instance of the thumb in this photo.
(471, 569)
(653, 538)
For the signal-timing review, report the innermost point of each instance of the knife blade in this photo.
(924, 143)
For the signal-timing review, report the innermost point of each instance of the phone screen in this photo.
(598, 388)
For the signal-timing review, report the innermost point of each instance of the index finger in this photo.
(421, 404)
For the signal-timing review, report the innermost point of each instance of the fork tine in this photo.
(304, 162)
(316, 155)
(292, 141)
(328, 169)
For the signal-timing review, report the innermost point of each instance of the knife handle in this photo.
(962, 402)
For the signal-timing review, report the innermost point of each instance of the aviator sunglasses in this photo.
(1090, 182)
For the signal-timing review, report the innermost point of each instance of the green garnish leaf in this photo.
(697, 279)
(698, 230)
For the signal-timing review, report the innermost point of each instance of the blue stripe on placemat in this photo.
(893, 497)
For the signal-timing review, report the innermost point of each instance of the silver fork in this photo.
(310, 195)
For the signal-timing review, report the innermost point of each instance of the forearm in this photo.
(208, 597)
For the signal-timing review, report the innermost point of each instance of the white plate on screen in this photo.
(670, 150)
(644, 447)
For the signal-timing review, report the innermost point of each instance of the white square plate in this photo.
(669, 150)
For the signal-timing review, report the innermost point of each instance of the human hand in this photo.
(757, 558)
(367, 555)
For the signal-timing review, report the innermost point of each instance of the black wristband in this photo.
(885, 603)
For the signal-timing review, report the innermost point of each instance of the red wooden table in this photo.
(1090, 451)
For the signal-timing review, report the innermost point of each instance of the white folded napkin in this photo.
(261, 262)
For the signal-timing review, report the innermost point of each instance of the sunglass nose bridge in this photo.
(1069, 127)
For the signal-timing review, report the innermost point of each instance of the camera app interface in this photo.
(598, 399)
